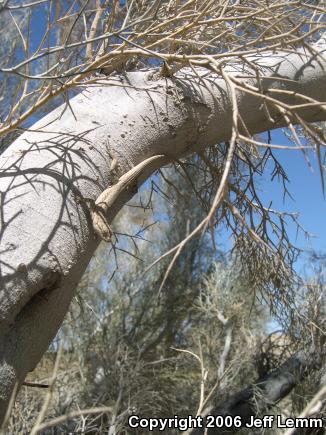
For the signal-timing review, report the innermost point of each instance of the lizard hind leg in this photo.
(101, 225)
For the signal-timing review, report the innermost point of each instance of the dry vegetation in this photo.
(127, 347)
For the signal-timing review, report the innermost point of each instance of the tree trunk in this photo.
(52, 173)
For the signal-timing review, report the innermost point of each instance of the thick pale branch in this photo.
(52, 175)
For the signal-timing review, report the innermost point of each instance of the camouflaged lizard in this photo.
(110, 197)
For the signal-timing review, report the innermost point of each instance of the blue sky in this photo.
(307, 200)
(306, 189)
(305, 183)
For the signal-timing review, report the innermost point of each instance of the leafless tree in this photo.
(156, 81)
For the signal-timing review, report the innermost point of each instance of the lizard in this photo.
(112, 197)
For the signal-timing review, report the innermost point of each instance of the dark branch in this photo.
(256, 399)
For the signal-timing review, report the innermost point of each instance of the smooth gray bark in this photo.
(50, 175)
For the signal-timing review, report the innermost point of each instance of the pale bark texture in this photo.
(51, 175)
